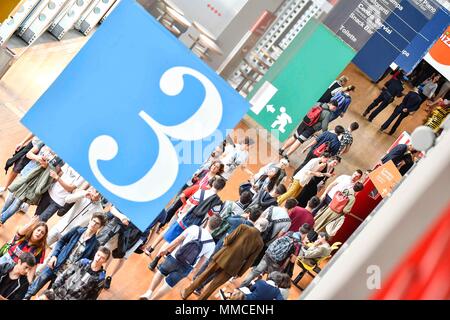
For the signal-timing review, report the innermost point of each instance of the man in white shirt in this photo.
(339, 184)
(177, 228)
(85, 204)
(55, 198)
(173, 270)
(236, 156)
(281, 219)
(312, 169)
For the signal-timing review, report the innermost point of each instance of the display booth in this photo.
(366, 201)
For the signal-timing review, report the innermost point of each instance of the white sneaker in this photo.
(24, 207)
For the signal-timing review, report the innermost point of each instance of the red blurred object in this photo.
(264, 21)
(424, 273)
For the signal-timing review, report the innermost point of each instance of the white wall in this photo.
(198, 10)
(240, 25)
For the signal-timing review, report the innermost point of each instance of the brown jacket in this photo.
(239, 251)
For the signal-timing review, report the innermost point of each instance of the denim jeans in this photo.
(47, 208)
(41, 280)
(11, 206)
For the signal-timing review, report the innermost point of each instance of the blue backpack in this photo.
(189, 252)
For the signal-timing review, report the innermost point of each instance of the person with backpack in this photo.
(341, 204)
(193, 247)
(232, 209)
(265, 199)
(279, 224)
(343, 98)
(339, 184)
(312, 169)
(328, 141)
(278, 254)
(315, 120)
(279, 221)
(208, 204)
(228, 225)
(187, 200)
(240, 249)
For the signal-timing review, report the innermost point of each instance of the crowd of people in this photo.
(277, 221)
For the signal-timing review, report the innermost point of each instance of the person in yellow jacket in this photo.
(312, 169)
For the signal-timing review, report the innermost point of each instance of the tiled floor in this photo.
(40, 65)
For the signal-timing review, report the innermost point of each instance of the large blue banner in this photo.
(119, 111)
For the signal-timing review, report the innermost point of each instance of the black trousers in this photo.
(383, 100)
(397, 114)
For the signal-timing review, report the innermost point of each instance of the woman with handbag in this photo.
(31, 238)
(342, 203)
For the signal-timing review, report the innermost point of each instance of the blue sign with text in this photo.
(424, 40)
(119, 112)
(400, 28)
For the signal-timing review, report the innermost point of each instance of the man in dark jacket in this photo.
(392, 89)
(403, 156)
(14, 278)
(84, 279)
(328, 142)
(410, 104)
(264, 199)
(305, 131)
(239, 250)
(78, 243)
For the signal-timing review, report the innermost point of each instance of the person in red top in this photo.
(299, 216)
(31, 238)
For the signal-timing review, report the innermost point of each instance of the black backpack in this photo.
(189, 252)
(267, 234)
(197, 214)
